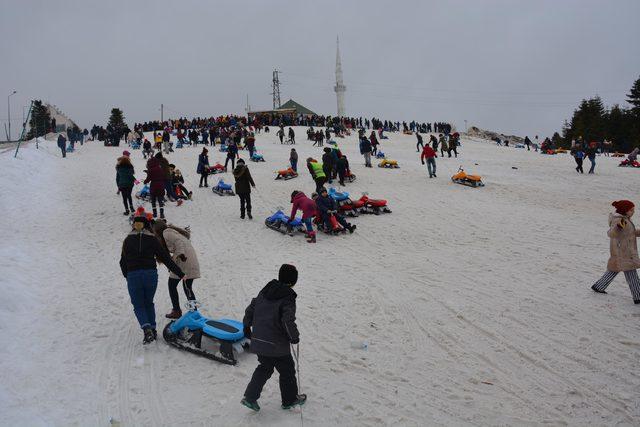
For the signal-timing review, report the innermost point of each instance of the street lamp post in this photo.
(9, 113)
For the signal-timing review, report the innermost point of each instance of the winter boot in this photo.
(161, 213)
(251, 405)
(174, 314)
(148, 336)
(351, 228)
(300, 400)
(126, 212)
(249, 214)
(311, 237)
(155, 213)
(241, 215)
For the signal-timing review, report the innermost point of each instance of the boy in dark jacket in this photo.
(244, 182)
(327, 206)
(272, 315)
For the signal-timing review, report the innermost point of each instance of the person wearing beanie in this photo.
(624, 250)
(270, 323)
(156, 176)
(126, 153)
(244, 182)
(140, 250)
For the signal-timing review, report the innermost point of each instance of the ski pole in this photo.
(296, 353)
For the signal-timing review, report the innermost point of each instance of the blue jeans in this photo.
(294, 164)
(431, 166)
(308, 223)
(593, 164)
(142, 286)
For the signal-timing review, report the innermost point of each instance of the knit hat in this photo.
(288, 275)
(126, 153)
(623, 206)
(240, 162)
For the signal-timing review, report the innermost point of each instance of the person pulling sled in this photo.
(140, 250)
(270, 323)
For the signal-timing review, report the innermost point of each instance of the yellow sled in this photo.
(465, 179)
(387, 163)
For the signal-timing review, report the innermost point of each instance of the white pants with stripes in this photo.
(632, 280)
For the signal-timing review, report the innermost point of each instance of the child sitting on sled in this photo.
(270, 323)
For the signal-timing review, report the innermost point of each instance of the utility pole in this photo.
(465, 126)
(276, 89)
(161, 113)
(9, 113)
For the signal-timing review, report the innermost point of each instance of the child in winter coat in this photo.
(624, 250)
(270, 322)
(327, 206)
(308, 207)
(293, 159)
(176, 241)
(429, 154)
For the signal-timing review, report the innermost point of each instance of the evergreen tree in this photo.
(117, 119)
(633, 97)
(40, 120)
(557, 140)
(588, 121)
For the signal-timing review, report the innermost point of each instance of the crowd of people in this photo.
(153, 240)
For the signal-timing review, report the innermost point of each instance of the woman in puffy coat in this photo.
(156, 176)
(203, 167)
(624, 250)
(177, 242)
(124, 180)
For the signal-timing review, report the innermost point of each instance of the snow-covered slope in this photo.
(475, 303)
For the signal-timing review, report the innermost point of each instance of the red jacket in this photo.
(427, 152)
(308, 206)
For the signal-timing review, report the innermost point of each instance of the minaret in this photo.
(340, 88)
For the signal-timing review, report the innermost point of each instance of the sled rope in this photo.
(296, 353)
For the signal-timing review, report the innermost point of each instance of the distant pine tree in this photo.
(117, 119)
(40, 120)
(633, 97)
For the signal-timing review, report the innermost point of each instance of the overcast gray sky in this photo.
(510, 65)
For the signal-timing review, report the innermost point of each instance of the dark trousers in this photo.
(341, 173)
(173, 291)
(245, 201)
(127, 201)
(294, 164)
(168, 187)
(320, 183)
(579, 167)
(454, 149)
(160, 201)
(142, 286)
(64, 151)
(419, 145)
(203, 178)
(328, 171)
(233, 162)
(285, 367)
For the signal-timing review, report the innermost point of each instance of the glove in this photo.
(247, 331)
(422, 161)
(182, 258)
(295, 341)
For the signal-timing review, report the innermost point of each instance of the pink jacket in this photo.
(302, 202)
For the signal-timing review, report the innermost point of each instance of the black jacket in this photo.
(272, 316)
(139, 252)
(244, 182)
(325, 204)
(328, 161)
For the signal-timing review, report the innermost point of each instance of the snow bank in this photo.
(475, 303)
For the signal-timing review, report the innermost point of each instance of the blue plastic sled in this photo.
(213, 339)
(280, 222)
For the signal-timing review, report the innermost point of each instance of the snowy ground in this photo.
(475, 302)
